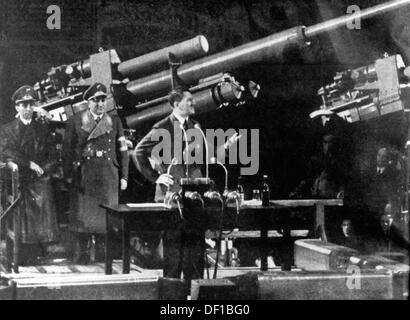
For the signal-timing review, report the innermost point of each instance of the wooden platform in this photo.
(60, 267)
(69, 270)
(62, 281)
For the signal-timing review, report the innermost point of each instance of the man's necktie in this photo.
(97, 119)
(184, 142)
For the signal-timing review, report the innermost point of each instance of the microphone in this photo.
(233, 196)
(230, 196)
(186, 149)
(173, 162)
(213, 196)
(194, 196)
(197, 126)
(215, 161)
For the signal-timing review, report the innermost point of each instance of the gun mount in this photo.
(146, 80)
(367, 92)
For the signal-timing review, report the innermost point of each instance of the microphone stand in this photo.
(215, 161)
(173, 162)
(196, 126)
(186, 150)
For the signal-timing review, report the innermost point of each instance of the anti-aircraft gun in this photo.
(146, 80)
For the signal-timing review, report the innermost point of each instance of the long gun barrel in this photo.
(187, 50)
(268, 48)
(205, 101)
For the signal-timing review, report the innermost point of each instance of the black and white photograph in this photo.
(223, 151)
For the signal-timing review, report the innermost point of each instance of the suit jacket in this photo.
(383, 188)
(167, 135)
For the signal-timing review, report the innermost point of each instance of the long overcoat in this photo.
(95, 157)
(21, 144)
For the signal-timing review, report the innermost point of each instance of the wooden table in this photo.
(318, 204)
(152, 217)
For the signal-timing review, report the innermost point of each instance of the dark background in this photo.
(289, 88)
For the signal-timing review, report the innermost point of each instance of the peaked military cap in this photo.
(24, 93)
(96, 90)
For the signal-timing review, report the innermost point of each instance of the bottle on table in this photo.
(265, 191)
(256, 195)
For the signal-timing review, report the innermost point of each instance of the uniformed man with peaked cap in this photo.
(24, 94)
(96, 165)
(27, 145)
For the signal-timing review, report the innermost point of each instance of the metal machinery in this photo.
(146, 80)
(367, 92)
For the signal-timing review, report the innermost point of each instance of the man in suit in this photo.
(148, 163)
(26, 146)
(388, 238)
(326, 173)
(388, 182)
(184, 247)
(96, 164)
(179, 242)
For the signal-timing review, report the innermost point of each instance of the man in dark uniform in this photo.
(26, 145)
(96, 163)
